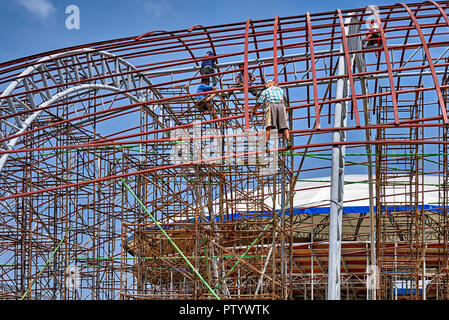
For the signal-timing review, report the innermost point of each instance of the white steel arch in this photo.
(56, 76)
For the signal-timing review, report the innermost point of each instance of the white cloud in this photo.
(159, 7)
(40, 8)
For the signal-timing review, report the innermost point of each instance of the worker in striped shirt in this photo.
(275, 112)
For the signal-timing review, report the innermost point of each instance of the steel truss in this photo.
(94, 206)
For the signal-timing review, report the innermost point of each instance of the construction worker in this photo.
(373, 38)
(239, 81)
(275, 112)
(203, 103)
(208, 67)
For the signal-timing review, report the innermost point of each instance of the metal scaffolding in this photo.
(115, 184)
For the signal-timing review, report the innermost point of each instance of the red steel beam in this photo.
(430, 61)
(275, 50)
(393, 93)
(314, 74)
(245, 75)
(349, 68)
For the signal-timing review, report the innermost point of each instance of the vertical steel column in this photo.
(337, 179)
(355, 44)
(275, 50)
(314, 76)
(245, 76)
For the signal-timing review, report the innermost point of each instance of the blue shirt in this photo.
(210, 62)
(203, 88)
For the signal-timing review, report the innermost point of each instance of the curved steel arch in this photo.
(430, 61)
(120, 79)
(56, 98)
(173, 35)
(341, 78)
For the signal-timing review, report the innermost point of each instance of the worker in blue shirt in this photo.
(208, 67)
(204, 100)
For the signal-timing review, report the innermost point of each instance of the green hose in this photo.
(48, 261)
(171, 241)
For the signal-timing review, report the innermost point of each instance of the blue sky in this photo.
(32, 26)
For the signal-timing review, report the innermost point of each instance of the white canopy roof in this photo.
(315, 193)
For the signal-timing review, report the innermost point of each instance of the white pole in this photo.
(337, 182)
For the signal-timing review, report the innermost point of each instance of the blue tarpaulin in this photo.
(297, 211)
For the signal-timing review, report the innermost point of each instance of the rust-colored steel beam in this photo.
(75, 121)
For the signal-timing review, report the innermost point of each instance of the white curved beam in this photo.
(55, 99)
(26, 77)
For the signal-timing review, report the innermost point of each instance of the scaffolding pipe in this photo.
(170, 240)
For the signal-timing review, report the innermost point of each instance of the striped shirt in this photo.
(271, 95)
